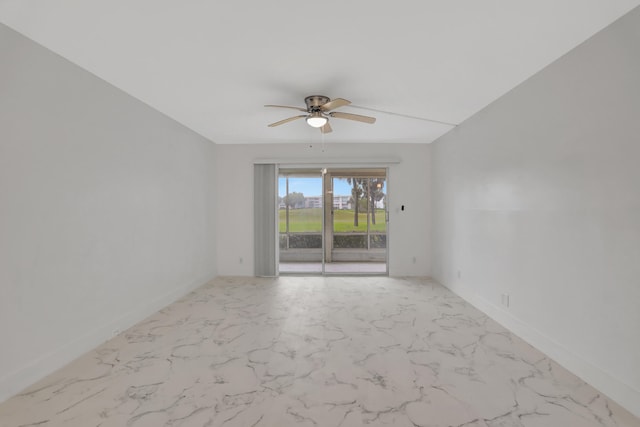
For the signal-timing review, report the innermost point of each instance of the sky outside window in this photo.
(311, 186)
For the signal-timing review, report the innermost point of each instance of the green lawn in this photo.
(310, 220)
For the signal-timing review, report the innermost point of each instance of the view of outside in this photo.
(358, 213)
(300, 216)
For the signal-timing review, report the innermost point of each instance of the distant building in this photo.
(313, 202)
(339, 202)
(342, 202)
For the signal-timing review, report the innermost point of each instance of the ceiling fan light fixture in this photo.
(316, 120)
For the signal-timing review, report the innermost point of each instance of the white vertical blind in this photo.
(264, 220)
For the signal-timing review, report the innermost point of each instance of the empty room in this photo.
(336, 214)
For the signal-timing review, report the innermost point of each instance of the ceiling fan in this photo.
(319, 109)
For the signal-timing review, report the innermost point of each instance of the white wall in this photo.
(538, 196)
(106, 211)
(408, 185)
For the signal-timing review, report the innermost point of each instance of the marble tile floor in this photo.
(315, 351)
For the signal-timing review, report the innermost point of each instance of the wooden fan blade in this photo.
(334, 103)
(290, 119)
(356, 117)
(326, 128)
(286, 106)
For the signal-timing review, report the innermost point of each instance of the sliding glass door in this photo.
(332, 221)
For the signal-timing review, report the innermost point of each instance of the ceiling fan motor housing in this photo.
(314, 102)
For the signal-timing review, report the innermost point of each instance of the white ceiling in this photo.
(212, 64)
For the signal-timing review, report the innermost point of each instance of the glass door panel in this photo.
(358, 231)
(300, 218)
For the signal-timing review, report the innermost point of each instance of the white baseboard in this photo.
(34, 370)
(615, 389)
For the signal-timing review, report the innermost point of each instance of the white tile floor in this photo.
(315, 351)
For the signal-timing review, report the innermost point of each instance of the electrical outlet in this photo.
(241, 260)
(459, 275)
(414, 260)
